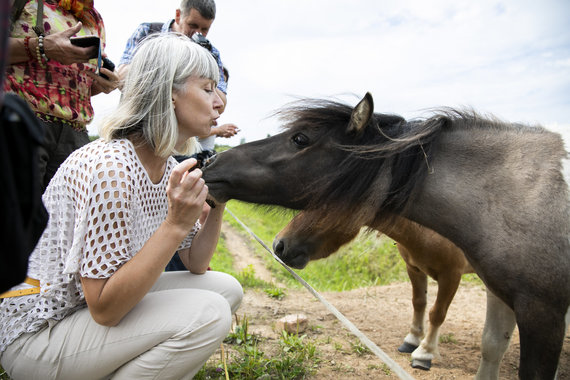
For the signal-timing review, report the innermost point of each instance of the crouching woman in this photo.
(97, 302)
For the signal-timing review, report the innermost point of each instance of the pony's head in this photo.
(308, 236)
(329, 155)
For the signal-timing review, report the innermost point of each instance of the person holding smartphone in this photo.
(55, 77)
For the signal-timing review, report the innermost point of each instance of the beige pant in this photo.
(169, 334)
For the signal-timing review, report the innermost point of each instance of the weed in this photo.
(447, 338)
(275, 292)
(359, 348)
(316, 328)
(241, 335)
(338, 346)
(472, 278)
(247, 278)
(291, 342)
(3, 374)
(386, 369)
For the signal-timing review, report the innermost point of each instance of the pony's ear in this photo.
(361, 115)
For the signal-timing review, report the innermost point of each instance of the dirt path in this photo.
(384, 314)
(240, 249)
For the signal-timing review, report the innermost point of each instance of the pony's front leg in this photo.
(428, 349)
(419, 302)
(499, 325)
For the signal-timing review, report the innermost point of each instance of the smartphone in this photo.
(87, 41)
(108, 64)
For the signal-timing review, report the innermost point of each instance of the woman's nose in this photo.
(218, 102)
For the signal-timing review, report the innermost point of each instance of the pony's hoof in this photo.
(421, 364)
(407, 348)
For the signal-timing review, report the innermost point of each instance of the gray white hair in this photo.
(207, 8)
(161, 65)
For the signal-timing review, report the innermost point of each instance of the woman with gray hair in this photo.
(97, 302)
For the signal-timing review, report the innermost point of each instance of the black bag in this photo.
(24, 216)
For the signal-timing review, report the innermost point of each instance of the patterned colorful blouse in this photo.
(57, 92)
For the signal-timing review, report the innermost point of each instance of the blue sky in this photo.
(508, 58)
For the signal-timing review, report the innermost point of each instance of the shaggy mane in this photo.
(389, 142)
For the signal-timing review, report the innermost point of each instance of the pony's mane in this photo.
(388, 144)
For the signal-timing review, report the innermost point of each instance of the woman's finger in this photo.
(113, 77)
(192, 179)
(201, 198)
(181, 170)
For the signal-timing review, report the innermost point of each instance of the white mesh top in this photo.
(103, 207)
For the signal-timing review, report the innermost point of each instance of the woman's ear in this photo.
(175, 96)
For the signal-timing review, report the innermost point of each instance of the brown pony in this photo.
(496, 190)
(425, 253)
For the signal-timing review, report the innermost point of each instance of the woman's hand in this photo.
(101, 84)
(186, 192)
(58, 47)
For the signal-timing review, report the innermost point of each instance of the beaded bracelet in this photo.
(27, 48)
(40, 53)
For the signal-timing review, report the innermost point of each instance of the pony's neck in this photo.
(489, 184)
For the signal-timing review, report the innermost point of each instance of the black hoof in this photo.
(407, 348)
(421, 364)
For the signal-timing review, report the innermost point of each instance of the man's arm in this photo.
(224, 130)
(138, 35)
(122, 72)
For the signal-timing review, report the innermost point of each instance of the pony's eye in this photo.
(300, 140)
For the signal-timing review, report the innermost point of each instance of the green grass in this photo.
(472, 278)
(223, 260)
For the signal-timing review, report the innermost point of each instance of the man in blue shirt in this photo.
(193, 16)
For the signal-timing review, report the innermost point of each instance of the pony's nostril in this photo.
(278, 246)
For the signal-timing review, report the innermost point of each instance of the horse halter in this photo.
(202, 164)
